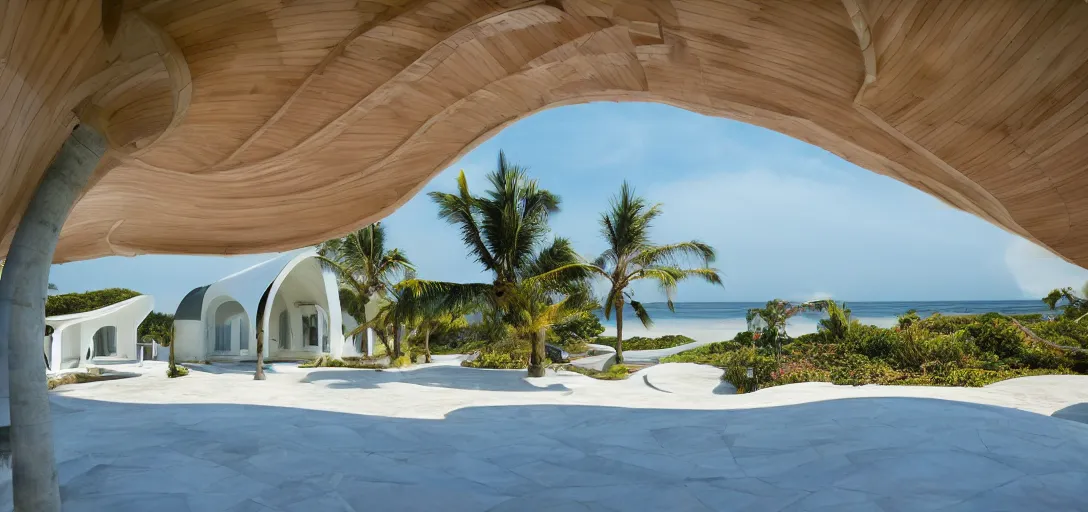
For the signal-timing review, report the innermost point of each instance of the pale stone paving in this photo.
(442, 437)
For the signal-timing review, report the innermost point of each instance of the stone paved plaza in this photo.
(446, 438)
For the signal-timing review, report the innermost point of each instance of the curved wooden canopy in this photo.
(241, 126)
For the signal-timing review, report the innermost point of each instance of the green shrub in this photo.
(857, 370)
(401, 362)
(908, 319)
(179, 371)
(157, 326)
(743, 338)
(738, 377)
(69, 303)
(580, 329)
(872, 341)
(614, 372)
(1062, 331)
(997, 335)
(942, 324)
(497, 360)
(915, 347)
(325, 361)
(795, 371)
(643, 343)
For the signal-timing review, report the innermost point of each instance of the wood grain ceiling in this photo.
(243, 126)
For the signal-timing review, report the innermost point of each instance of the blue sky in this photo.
(788, 219)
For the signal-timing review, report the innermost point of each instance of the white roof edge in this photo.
(59, 320)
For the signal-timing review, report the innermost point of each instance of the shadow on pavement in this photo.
(856, 454)
(452, 377)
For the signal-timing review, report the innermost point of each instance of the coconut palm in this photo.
(631, 257)
(365, 269)
(1075, 306)
(505, 230)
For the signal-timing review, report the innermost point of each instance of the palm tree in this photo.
(632, 257)
(838, 321)
(505, 231)
(769, 322)
(1075, 306)
(365, 270)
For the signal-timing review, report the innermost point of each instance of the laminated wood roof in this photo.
(244, 126)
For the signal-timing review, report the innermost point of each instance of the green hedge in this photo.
(643, 343)
(71, 303)
(969, 350)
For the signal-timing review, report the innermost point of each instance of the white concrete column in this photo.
(370, 339)
(23, 290)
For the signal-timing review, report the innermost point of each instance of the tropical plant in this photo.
(1074, 306)
(365, 269)
(505, 230)
(768, 324)
(631, 257)
(837, 323)
(908, 319)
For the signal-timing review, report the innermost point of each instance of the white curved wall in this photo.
(290, 279)
(73, 335)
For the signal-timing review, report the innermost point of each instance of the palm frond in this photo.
(459, 210)
(676, 254)
(641, 313)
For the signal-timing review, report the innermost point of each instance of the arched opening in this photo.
(299, 321)
(104, 342)
(230, 330)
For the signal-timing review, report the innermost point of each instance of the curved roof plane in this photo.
(136, 304)
(264, 125)
(246, 286)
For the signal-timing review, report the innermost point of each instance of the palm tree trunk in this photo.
(396, 341)
(619, 333)
(383, 337)
(173, 366)
(22, 321)
(427, 346)
(259, 374)
(537, 356)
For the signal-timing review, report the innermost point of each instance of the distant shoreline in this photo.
(717, 321)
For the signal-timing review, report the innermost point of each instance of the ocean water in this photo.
(716, 321)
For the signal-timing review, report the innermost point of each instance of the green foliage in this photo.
(157, 326)
(973, 350)
(325, 361)
(837, 324)
(643, 343)
(71, 303)
(178, 371)
(942, 324)
(1073, 306)
(908, 319)
(402, 362)
(738, 377)
(498, 360)
(1063, 331)
(576, 331)
(995, 334)
(614, 372)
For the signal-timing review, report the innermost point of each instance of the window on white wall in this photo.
(222, 337)
(309, 329)
(243, 333)
(285, 330)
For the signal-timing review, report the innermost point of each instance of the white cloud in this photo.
(1037, 271)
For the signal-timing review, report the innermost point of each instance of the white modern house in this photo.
(302, 317)
(104, 335)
